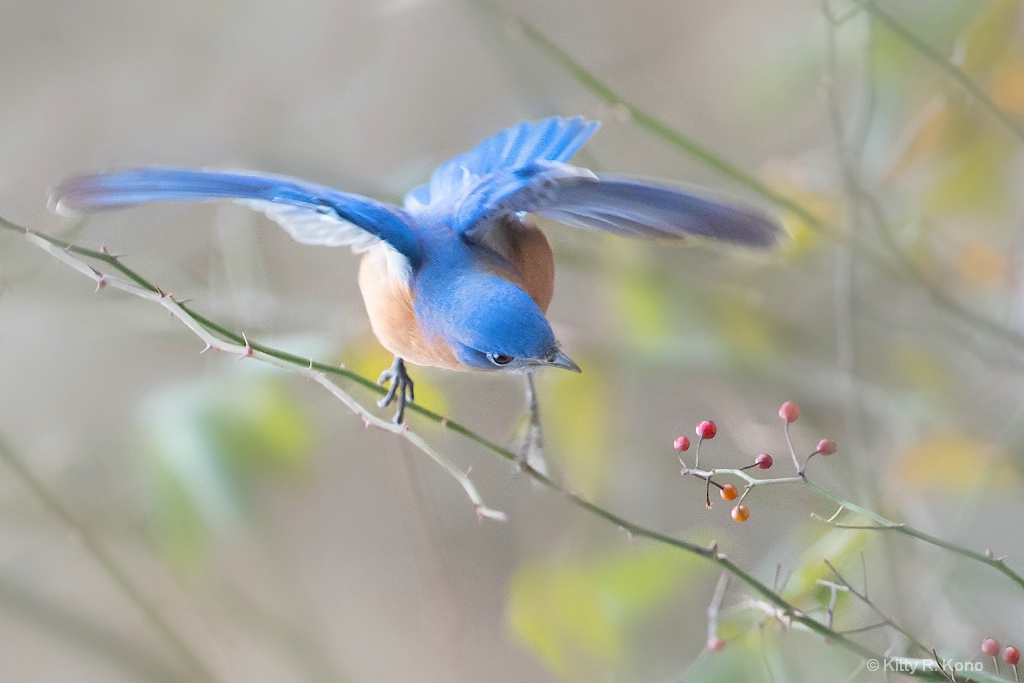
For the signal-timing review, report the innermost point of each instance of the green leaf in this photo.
(576, 617)
(208, 445)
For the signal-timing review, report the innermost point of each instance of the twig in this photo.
(715, 606)
(647, 121)
(884, 524)
(145, 290)
(948, 67)
(117, 574)
(786, 612)
(863, 597)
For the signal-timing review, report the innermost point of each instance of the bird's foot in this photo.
(530, 455)
(400, 388)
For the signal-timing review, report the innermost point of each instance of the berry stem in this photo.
(789, 444)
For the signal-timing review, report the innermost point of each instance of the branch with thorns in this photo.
(217, 337)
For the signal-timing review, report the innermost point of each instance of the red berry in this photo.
(764, 461)
(707, 429)
(826, 446)
(789, 411)
(716, 644)
(990, 647)
(728, 492)
(740, 513)
(1011, 656)
(681, 443)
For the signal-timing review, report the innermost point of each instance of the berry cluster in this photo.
(789, 412)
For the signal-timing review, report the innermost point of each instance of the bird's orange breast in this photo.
(526, 261)
(389, 304)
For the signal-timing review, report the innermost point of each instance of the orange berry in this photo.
(728, 492)
(740, 513)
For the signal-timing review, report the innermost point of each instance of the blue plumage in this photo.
(455, 278)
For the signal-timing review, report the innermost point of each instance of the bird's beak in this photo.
(560, 360)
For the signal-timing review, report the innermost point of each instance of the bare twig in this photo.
(947, 67)
(863, 597)
(111, 567)
(248, 350)
(772, 602)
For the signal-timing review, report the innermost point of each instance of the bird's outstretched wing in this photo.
(632, 208)
(312, 214)
(553, 139)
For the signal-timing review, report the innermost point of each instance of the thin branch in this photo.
(666, 132)
(947, 67)
(715, 606)
(145, 290)
(783, 610)
(884, 524)
(867, 601)
(110, 566)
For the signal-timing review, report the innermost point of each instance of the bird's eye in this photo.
(499, 358)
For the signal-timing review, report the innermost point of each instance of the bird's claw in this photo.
(400, 388)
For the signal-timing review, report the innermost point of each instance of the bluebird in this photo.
(458, 277)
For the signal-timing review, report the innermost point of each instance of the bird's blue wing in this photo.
(312, 214)
(632, 208)
(553, 139)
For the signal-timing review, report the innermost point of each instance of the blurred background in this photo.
(282, 541)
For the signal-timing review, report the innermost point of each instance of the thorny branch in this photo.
(208, 332)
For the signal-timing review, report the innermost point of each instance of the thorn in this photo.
(366, 424)
(247, 351)
(311, 365)
(713, 547)
(106, 252)
(207, 347)
(444, 422)
(159, 291)
(988, 552)
(100, 281)
(405, 427)
(342, 366)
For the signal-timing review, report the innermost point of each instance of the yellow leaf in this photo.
(577, 422)
(785, 178)
(976, 178)
(924, 371)
(953, 461)
(987, 37)
(841, 547)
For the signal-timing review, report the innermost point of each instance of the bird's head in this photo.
(492, 324)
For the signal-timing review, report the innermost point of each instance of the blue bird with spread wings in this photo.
(458, 277)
